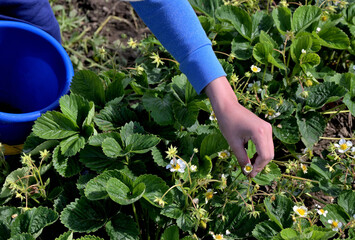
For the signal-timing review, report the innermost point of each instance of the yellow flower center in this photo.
(343, 146)
(219, 236)
(301, 211)
(248, 168)
(321, 210)
(270, 112)
(334, 224)
(224, 155)
(176, 166)
(304, 168)
(209, 195)
(254, 69)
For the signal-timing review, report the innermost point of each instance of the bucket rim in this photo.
(32, 116)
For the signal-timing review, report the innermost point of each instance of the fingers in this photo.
(240, 153)
(264, 147)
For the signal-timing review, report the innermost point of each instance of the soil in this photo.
(98, 11)
(341, 126)
(114, 20)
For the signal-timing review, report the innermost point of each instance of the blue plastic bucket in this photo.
(35, 71)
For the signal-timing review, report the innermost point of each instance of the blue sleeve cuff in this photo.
(202, 67)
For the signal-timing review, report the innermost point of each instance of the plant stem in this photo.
(335, 112)
(299, 178)
(332, 138)
(317, 199)
(136, 218)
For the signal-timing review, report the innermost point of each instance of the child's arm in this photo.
(177, 27)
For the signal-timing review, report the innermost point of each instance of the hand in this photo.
(238, 125)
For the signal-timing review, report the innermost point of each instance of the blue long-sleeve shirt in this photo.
(173, 22)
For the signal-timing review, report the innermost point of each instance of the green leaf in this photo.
(4, 231)
(206, 22)
(89, 237)
(171, 233)
(238, 17)
(122, 227)
(262, 51)
(22, 236)
(72, 145)
(97, 140)
(279, 210)
(88, 85)
(318, 169)
(348, 81)
(183, 88)
(285, 109)
(186, 222)
(323, 93)
(84, 215)
(158, 157)
(289, 234)
(208, 7)
(318, 233)
(241, 48)
(54, 125)
(155, 187)
(311, 126)
(65, 166)
(140, 143)
(261, 22)
(172, 211)
(96, 187)
(310, 60)
(66, 236)
(287, 131)
(335, 212)
(304, 16)
(94, 159)
(303, 42)
(212, 144)
(270, 173)
(33, 221)
(234, 217)
(46, 145)
(88, 121)
(266, 230)
(346, 200)
(115, 89)
(251, 150)
(333, 37)
(75, 107)
(114, 116)
(349, 13)
(7, 191)
(119, 192)
(282, 19)
(112, 148)
(129, 129)
(205, 166)
(187, 114)
(160, 108)
(266, 38)
(6, 215)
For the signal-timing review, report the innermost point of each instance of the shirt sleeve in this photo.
(35, 12)
(177, 27)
